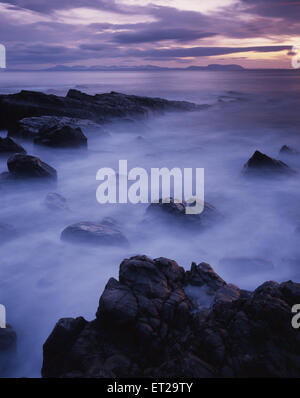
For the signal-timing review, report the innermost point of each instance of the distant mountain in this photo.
(217, 67)
(76, 68)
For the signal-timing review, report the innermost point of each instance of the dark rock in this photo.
(261, 163)
(287, 150)
(8, 145)
(176, 212)
(8, 338)
(21, 166)
(98, 108)
(7, 233)
(55, 201)
(93, 233)
(148, 326)
(61, 136)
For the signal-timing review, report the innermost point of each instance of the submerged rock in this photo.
(159, 321)
(287, 150)
(94, 234)
(25, 166)
(61, 136)
(55, 201)
(176, 212)
(99, 108)
(8, 145)
(261, 163)
(7, 233)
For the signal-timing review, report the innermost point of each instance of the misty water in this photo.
(43, 279)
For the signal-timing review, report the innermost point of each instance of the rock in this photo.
(287, 150)
(148, 326)
(94, 234)
(55, 201)
(246, 265)
(261, 163)
(25, 166)
(99, 108)
(7, 233)
(8, 145)
(8, 338)
(63, 137)
(176, 212)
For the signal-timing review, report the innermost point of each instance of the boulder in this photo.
(25, 166)
(176, 213)
(61, 136)
(8, 145)
(93, 234)
(149, 325)
(55, 201)
(260, 163)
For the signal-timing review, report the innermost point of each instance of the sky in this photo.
(39, 34)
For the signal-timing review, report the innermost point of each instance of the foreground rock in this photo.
(99, 108)
(61, 136)
(94, 234)
(159, 321)
(25, 166)
(176, 213)
(8, 145)
(260, 163)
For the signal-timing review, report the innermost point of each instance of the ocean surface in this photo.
(43, 279)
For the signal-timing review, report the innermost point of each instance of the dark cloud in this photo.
(150, 35)
(288, 9)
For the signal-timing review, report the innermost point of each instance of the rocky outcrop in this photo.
(61, 136)
(25, 166)
(159, 321)
(175, 212)
(93, 234)
(8, 145)
(262, 164)
(99, 108)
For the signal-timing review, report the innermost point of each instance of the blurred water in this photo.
(43, 279)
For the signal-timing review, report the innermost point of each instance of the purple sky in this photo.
(252, 33)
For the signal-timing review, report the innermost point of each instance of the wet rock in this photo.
(55, 201)
(61, 136)
(25, 166)
(94, 234)
(176, 212)
(148, 326)
(8, 145)
(260, 163)
(7, 233)
(99, 108)
(287, 150)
